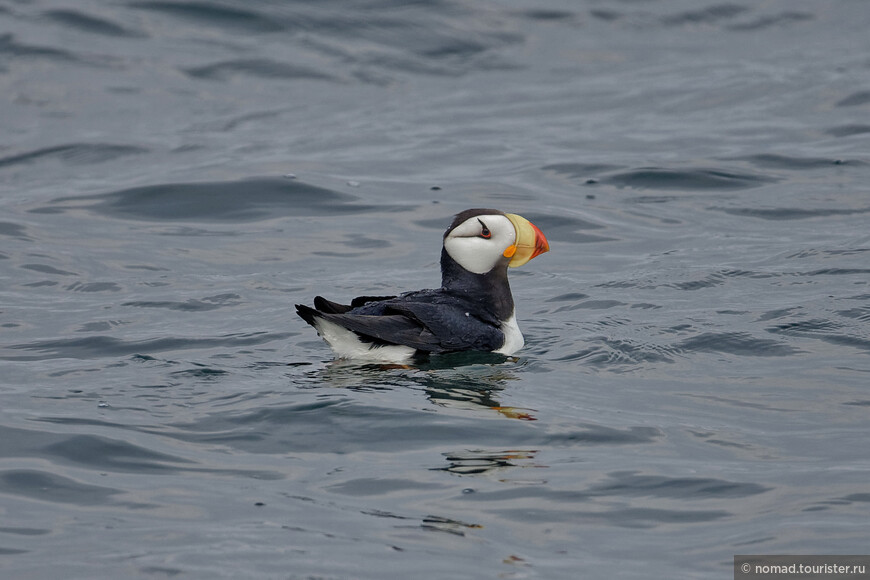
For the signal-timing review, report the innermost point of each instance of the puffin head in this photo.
(479, 240)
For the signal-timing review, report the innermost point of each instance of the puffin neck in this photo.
(490, 291)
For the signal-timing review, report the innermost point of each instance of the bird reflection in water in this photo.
(479, 462)
(459, 381)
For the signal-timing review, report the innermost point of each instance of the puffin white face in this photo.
(478, 243)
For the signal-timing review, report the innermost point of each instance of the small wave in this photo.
(256, 67)
(94, 287)
(855, 99)
(44, 486)
(634, 484)
(618, 355)
(836, 272)
(861, 313)
(847, 340)
(603, 435)
(710, 281)
(590, 305)
(687, 179)
(456, 40)
(19, 531)
(108, 346)
(210, 14)
(74, 154)
(569, 297)
(804, 327)
(582, 171)
(192, 304)
(95, 452)
(822, 329)
(640, 517)
(207, 373)
(788, 213)
(848, 130)
(789, 162)
(777, 314)
(683, 488)
(116, 455)
(101, 326)
(549, 15)
(788, 17)
(372, 486)
(46, 269)
(223, 201)
(736, 343)
(13, 51)
(84, 22)
(14, 230)
(709, 15)
(9, 46)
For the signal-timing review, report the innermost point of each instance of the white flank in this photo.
(347, 345)
(513, 338)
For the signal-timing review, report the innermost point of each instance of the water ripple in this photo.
(257, 67)
(223, 201)
(786, 17)
(109, 346)
(849, 130)
(81, 21)
(12, 48)
(44, 486)
(46, 269)
(641, 517)
(788, 213)
(709, 15)
(660, 177)
(212, 14)
(857, 99)
(14, 230)
(737, 343)
(634, 484)
(74, 154)
(685, 179)
(191, 305)
(796, 163)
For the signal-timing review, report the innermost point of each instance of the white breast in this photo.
(513, 338)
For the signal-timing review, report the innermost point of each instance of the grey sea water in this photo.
(175, 175)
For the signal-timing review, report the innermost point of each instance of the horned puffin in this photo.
(473, 310)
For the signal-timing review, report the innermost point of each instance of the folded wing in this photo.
(423, 322)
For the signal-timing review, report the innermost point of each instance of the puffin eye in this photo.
(484, 233)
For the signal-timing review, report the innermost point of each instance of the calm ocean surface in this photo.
(176, 174)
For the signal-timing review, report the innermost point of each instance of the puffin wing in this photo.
(379, 329)
(451, 326)
(426, 320)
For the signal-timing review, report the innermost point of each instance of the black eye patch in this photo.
(484, 232)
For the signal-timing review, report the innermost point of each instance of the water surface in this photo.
(175, 175)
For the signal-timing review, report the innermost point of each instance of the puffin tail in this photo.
(308, 314)
(321, 306)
